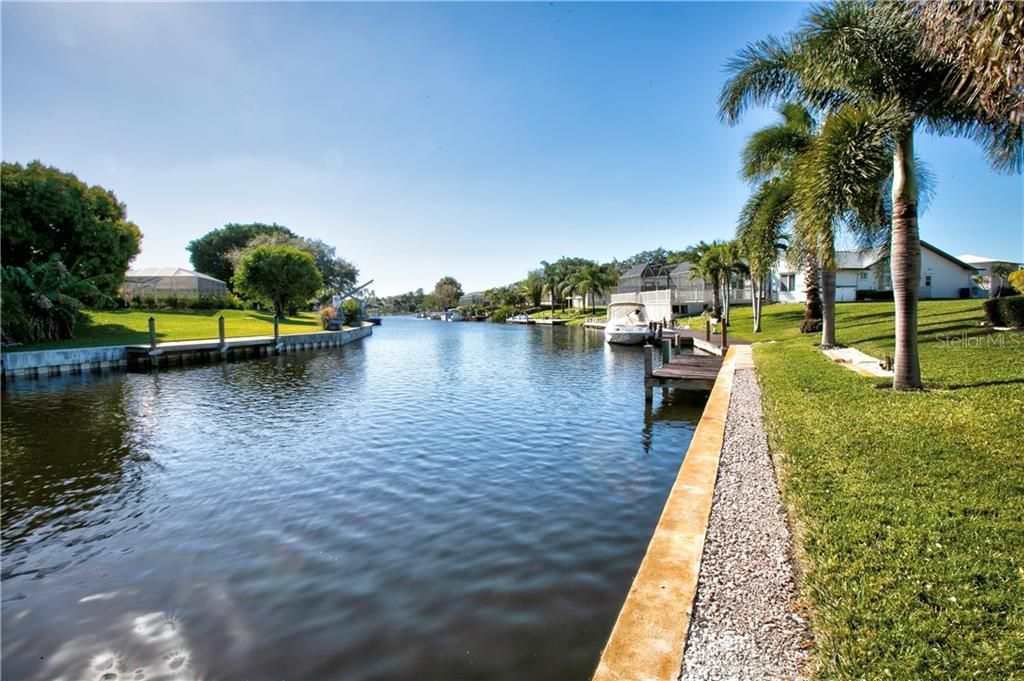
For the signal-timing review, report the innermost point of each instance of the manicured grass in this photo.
(575, 316)
(909, 507)
(124, 327)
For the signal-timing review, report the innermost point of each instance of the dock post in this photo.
(277, 333)
(152, 334)
(725, 334)
(707, 330)
(666, 351)
(220, 328)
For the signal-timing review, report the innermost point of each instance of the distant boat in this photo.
(453, 316)
(627, 324)
(520, 319)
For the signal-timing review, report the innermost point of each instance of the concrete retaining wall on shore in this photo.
(46, 363)
(42, 363)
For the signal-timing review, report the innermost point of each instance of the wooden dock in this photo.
(694, 369)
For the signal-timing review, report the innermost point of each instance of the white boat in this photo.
(453, 316)
(627, 324)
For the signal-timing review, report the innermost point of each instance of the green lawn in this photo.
(576, 317)
(909, 506)
(123, 327)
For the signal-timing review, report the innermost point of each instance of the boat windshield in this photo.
(631, 313)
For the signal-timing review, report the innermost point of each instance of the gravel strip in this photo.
(745, 623)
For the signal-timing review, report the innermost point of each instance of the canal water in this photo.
(437, 502)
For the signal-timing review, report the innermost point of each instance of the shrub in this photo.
(352, 311)
(1007, 311)
(992, 312)
(328, 313)
(42, 302)
(501, 314)
(870, 294)
(1017, 281)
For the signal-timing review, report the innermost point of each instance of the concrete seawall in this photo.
(46, 363)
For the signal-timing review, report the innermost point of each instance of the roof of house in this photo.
(863, 259)
(947, 256)
(164, 272)
(981, 260)
(857, 260)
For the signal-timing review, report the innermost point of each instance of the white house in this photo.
(942, 276)
(984, 266)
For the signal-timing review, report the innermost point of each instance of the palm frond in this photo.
(760, 73)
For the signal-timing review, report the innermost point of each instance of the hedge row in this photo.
(1008, 311)
(202, 302)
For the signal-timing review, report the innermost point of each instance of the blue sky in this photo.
(423, 139)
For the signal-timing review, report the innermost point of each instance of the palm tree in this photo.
(775, 156)
(860, 56)
(997, 277)
(593, 280)
(533, 287)
(990, 70)
(761, 235)
(709, 266)
(554, 279)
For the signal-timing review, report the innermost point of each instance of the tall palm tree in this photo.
(708, 265)
(533, 287)
(761, 236)
(865, 55)
(593, 280)
(770, 158)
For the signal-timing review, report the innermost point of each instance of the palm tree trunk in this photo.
(906, 265)
(756, 302)
(716, 302)
(812, 295)
(828, 307)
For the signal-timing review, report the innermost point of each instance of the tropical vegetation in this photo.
(65, 244)
(870, 65)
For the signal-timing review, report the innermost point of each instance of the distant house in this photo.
(161, 282)
(472, 298)
(667, 291)
(984, 266)
(942, 276)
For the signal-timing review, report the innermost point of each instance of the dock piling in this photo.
(707, 330)
(277, 333)
(666, 351)
(152, 333)
(725, 334)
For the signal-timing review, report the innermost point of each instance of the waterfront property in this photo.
(865, 274)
